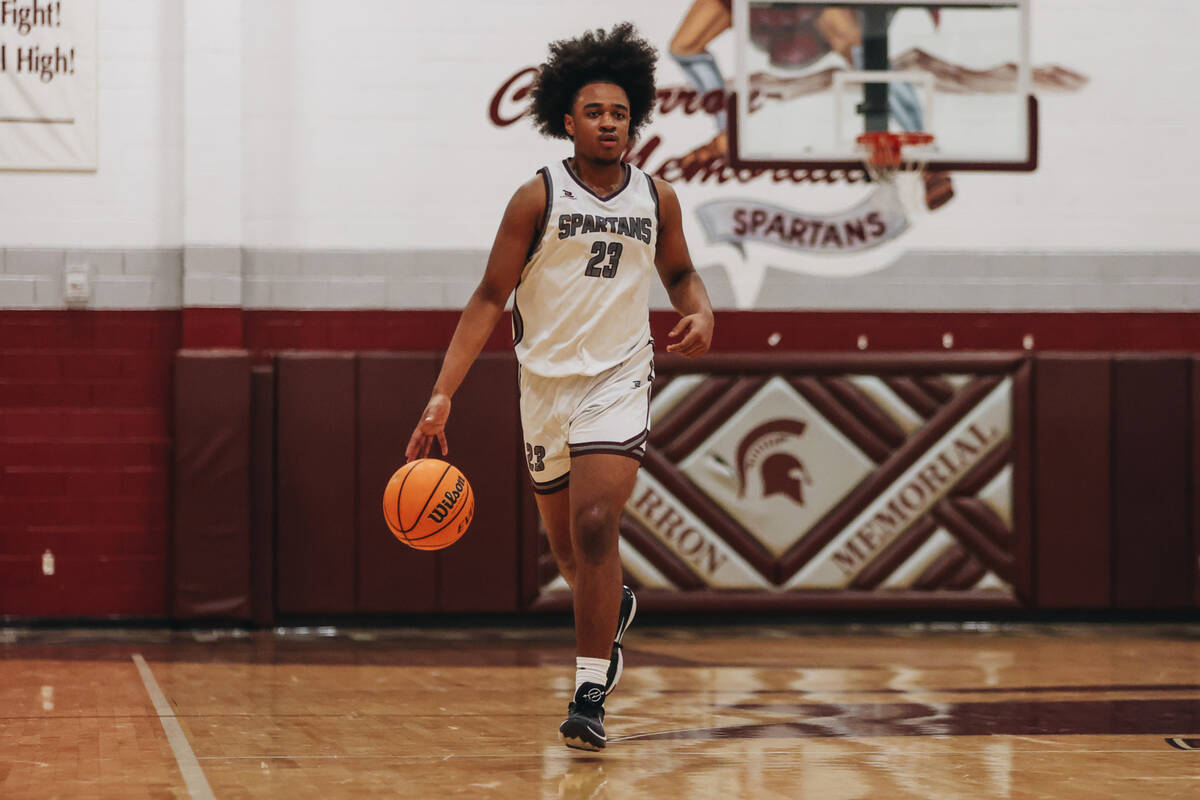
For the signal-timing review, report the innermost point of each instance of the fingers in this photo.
(432, 425)
(696, 341)
(414, 444)
(684, 343)
(693, 345)
(421, 443)
(694, 350)
(426, 446)
(418, 446)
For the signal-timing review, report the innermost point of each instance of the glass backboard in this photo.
(811, 77)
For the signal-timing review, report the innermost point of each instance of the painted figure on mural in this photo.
(578, 245)
(793, 37)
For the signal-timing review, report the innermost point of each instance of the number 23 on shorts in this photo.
(535, 454)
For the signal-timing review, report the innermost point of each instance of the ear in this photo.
(569, 124)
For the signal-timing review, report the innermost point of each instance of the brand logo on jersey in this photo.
(634, 227)
(567, 193)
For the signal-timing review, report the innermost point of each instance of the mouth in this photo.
(608, 140)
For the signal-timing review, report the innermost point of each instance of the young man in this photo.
(578, 244)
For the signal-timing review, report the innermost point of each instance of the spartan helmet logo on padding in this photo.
(771, 449)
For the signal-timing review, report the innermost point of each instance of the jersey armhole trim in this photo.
(540, 230)
(654, 194)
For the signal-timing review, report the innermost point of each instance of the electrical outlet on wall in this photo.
(77, 285)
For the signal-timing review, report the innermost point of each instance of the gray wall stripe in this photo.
(366, 279)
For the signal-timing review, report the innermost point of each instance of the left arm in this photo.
(693, 333)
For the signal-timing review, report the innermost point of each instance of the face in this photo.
(599, 122)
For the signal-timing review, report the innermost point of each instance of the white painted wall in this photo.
(235, 127)
(134, 198)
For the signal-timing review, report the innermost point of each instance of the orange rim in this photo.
(887, 148)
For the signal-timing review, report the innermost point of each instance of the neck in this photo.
(603, 177)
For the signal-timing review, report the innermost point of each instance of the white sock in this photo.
(590, 670)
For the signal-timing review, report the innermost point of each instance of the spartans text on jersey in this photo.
(575, 224)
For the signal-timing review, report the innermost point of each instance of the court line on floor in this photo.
(193, 775)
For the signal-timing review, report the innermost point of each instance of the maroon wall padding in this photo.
(481, 572)
(210, 538)
(1022, 484)
(1153, 550)
(392, 391)
(314, 540)
(262, 481)
(1195, 487)
(1072, 490)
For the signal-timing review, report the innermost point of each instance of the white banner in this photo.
(48, 84)
(878, 218)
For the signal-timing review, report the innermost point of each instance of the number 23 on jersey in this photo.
(600, 251)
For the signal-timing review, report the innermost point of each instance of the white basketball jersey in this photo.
(583, 302)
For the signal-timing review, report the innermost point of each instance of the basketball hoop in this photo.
(898, 160)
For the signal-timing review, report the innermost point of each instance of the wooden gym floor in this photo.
(867, 711)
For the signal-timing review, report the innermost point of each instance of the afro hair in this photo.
(620, 56)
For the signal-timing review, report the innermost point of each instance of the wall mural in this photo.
(798, 215)
(886, 482)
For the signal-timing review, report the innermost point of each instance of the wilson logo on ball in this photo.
(448, 500)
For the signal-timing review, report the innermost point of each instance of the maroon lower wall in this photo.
(86, 451)
(739, 331)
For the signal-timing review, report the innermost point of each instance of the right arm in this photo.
(521, 222)
(839, 27)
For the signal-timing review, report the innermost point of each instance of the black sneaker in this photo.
(583, 728)
(616, 661)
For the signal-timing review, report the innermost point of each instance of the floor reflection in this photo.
(1072, 713)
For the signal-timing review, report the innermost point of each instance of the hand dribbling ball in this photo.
(428, 504)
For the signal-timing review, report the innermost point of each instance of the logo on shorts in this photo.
(636, 384)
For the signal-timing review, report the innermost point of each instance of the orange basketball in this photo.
(428, 504)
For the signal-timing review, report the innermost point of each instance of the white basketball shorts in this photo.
(580, 415)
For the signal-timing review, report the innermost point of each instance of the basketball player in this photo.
(578, 244)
